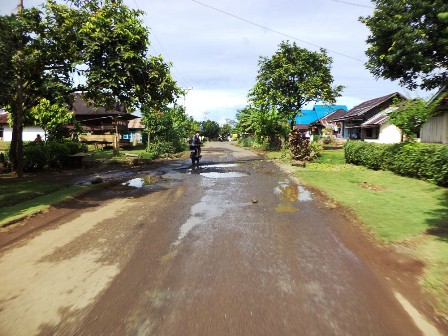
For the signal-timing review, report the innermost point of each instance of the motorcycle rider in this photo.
(195, 141)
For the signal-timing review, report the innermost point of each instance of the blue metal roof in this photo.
(318, 111)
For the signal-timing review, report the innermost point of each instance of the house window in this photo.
(371, 133)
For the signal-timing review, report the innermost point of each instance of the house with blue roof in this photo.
(303, 121)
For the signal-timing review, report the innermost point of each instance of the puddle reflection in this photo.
(292, 192)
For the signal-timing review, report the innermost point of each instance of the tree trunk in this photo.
(20, 101)
(13, 146)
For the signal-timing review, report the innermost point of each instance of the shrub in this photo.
(33, 156)
(161, 147)
(247, 141)
(302, 149)
(57, 154)
(75, 147)
(423, 161)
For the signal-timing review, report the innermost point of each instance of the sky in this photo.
(214, 46)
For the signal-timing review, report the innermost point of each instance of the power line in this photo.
(276, 31)
(353, 4)
(163, 49)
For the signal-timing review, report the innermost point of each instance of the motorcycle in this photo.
(194, 154)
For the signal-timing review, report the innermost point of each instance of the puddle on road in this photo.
(292, 192)
(217, 175)
(286, 208)
(217, 171)
(140, 182)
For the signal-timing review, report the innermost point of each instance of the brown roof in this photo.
(136, 124)
(3, 117)
(380, 118)
(81, 107)
(363, 108)
(301, 126)
(330, 117)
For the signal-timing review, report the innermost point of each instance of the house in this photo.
(101, 125)
(379, 129)
(318, 112)
(3, 123)
(436, 129)
(327, 123)
(135, 127)
(28, 134)
(369, 121)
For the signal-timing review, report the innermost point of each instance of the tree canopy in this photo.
(409, 42)
(210, 129)
(98, 46)
(290, 79)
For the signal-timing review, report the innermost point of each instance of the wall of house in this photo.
(388, 134)
(435, 130)
(29, 133)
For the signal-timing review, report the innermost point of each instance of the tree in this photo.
(35, 62)
(410, 115)
(290, 79)
(263, 123)
(210, 129)
(52, 118)
(168, 129)
(227, 128)
(42, 51)
(409, 42)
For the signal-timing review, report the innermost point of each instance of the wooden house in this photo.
(101, 126)
(436, 129)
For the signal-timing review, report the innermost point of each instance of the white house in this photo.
(378, 128)
(29, 133)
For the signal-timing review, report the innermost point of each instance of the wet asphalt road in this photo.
(232, 247)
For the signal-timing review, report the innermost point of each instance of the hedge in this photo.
(424, 161)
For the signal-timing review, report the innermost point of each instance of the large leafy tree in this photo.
(290, 79)
(168, 128)
(35, 62)
(102, 42)
(262, 123)
(210, 129)
(409, 42)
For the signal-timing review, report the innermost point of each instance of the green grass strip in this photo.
(37, 204)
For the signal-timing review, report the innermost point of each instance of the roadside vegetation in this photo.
(31, 196)
(397, 210)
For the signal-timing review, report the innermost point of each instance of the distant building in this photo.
(369, 121)
(329, 124)
(318, 112)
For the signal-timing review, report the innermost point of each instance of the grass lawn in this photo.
(39, 203)
(397, 209)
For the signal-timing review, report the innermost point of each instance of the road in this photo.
(232, 247)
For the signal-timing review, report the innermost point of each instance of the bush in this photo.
(57, 154)
(75, 147)
(423, 161)
(161, 147)
(302, 149)
(247, 141)
(33, 156)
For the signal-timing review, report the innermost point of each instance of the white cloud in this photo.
(217, 54)
(214, 104)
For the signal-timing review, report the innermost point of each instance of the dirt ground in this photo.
(202, 252)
